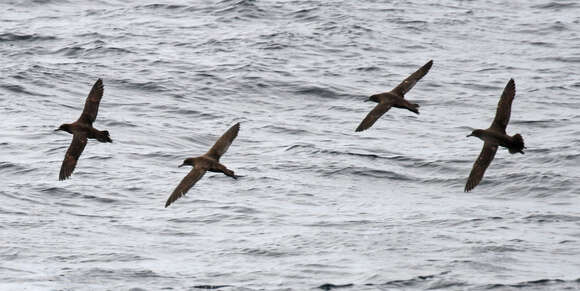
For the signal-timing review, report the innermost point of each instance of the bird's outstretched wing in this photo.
(188, 181)
(373, 116)
(504, 107)
(72, 156)
(483, 160)
(92, 104)
(222, 145)
(408, 83)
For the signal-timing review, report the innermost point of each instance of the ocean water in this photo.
(320, 207)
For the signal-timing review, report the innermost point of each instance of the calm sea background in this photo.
(319, 206)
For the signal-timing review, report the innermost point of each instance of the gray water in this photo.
(319, 206)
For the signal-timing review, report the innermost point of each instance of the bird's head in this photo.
(188, 161)
(373, 98)
(64, 127)
(476, 133)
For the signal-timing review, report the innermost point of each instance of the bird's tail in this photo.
(103, 136)
(413, 107)
(517, 144)
(230, 173)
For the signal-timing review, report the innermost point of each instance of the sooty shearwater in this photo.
(394, 98)
(495, 136)
(82, 130)
(209, 161)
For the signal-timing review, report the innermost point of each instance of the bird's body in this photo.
(209, 161)
(212, 165)
(87, 130)
(82, 130)
(394, 98)
(396, 101)
(494, 137)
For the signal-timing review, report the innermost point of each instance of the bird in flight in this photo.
(495, 136)
(394, 98)
(209, 161)
(82, 130)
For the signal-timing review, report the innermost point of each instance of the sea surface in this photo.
(319, 206)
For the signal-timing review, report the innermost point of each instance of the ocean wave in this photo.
(109, 257)
(540, 283)
(436, 281)
(368, 172)
(98, 50)
(239, 9)
(556, 5)
(551, 218)
(330, 286)
(14, 37)
(120, 273)
(13, 88)
(318, 92)
(210, 287)
(159, 6)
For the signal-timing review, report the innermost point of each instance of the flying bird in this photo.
(209, 161)
(495, 136)
(394, 98)
(82, 130)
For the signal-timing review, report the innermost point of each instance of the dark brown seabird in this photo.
(394, 98)
(209, 161)
(83, 129)
(495, 136)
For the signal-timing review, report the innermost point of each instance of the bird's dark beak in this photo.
(368, 100)
(469, 135)
(181, 165)
(57, 129)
